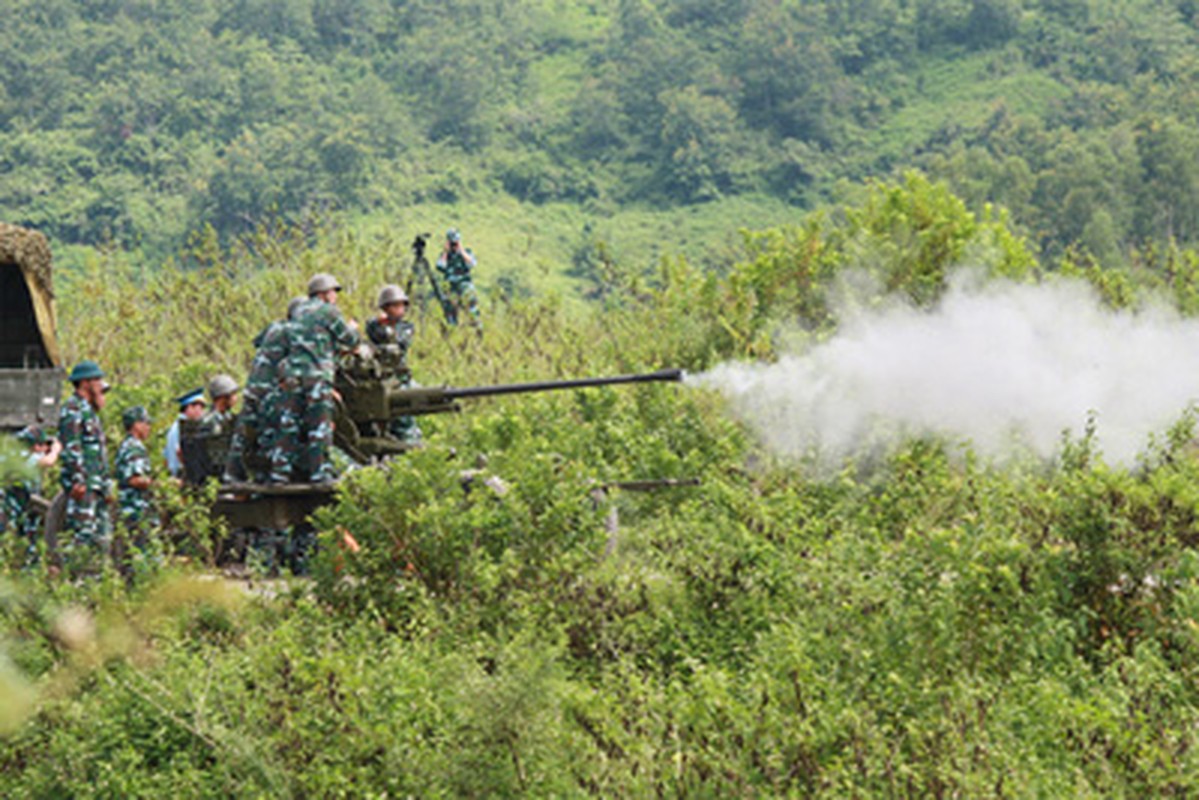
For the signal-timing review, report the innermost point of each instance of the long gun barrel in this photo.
(369, 400)
(436, 400)
(661, 376)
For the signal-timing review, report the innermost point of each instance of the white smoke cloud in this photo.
(991, 364)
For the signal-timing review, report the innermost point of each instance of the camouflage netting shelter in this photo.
(27, 325)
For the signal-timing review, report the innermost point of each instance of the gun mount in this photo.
(370, 398)
(372, 394)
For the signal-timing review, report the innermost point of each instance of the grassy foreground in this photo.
(928, 626)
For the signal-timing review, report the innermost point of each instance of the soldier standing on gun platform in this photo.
(134, 480)
(319, 334)
(393, 335)
(84, 474)
(455, 264)
(257, 425)
(222, 390)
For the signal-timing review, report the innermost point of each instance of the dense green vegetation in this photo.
(924, 625)
(141, 121)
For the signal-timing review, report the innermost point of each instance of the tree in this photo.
(1168, 206)
(789, 78)
(698, 134)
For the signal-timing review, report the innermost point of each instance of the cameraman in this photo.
(455, 265)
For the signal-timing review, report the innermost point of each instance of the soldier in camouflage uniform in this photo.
(265, 405)
(134, 476)
(42, 454)
(84, 474)
(222, 390)
(319, 333)
(455, 265)
(392, 336)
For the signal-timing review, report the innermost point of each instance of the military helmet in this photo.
(452, 235)
(222, 385)
(32, 434)
(85, 370)
(322, 282)
(134, 415)
(293, 305)
(392, 293)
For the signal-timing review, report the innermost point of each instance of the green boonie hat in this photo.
(453, 235)
(31, 435)
(85, 370)
(135, 414)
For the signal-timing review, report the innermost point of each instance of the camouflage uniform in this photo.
(17, 501)
(133, 504)
(215, 423)
(215, 432)
(266, 407)
(455, 267)
(318, 332)
(393, 341)
(84, 462)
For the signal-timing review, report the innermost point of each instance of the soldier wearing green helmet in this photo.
(392, 336)
(319, 333)
(218, 421)
(84, 475)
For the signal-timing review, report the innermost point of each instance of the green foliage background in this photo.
(139, 122)
(924, 625)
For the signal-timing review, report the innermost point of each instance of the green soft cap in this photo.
(32, 434)
(85, 370)
(135, 414)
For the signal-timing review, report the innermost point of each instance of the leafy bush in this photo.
(919, 623)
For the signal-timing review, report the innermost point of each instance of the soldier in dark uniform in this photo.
(191, 407)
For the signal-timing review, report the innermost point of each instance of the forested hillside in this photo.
(139, 121)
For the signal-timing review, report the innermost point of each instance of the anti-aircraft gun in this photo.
(372, 396)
